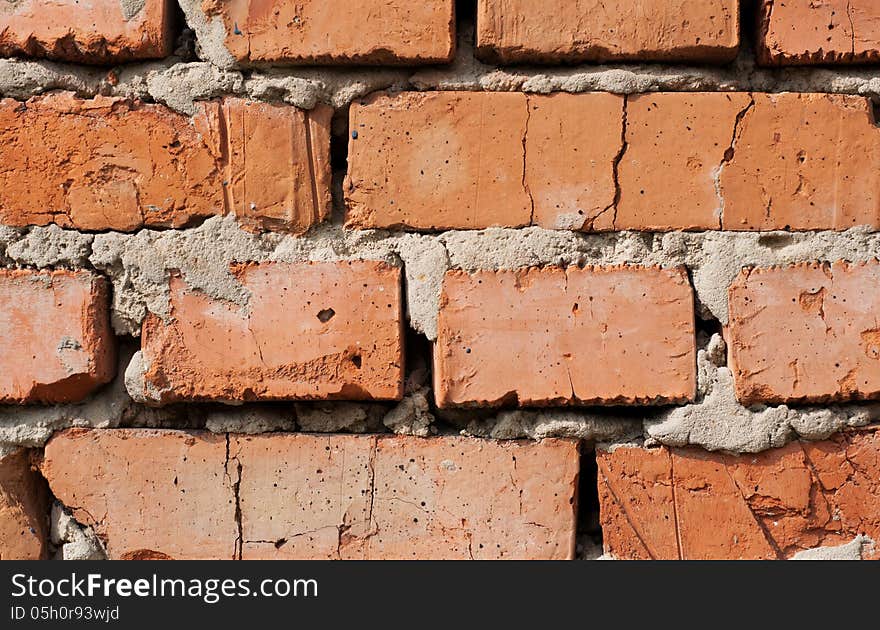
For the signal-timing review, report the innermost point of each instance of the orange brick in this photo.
(689, 504)
(437, 160)
(318, 32)
(98, 32)
(309, 331)
(740, 162)
(692, 161)
(819, 32)
(515, 31)
(551, 336)
(24, 509)
(806, 333)
(148, 494)
(112, 164)
(464, 160)
(804, 162)
(406, 498)
(276, 161)
(676, 144)
(56, 344)
(306, 496)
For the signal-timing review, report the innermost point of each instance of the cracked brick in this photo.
(689, 504)
(307, 496)
(819, 32)
(147, 494)
(600, 162)
(580, 334)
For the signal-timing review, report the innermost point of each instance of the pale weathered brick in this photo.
(199, 495)
(368, 497)
(552, 336)
(148, 494)
(806, 333)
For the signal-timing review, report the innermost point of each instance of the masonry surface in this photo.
(471, 280)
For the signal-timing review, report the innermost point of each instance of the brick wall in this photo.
(439, 280)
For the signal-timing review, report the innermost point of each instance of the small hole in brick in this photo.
(356, 359)
(325, 315)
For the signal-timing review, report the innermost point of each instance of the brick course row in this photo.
(324, 331)
(449, 160)
(300, 496)
(399, 32)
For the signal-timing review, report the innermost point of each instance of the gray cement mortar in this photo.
(179, 83)
(853, 550)
(72, 540)
(717, 422)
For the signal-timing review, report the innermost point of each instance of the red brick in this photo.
(309, 331)
(437, 160)
(806, 333)
(551, 336)
(740, 162)
(306, 496)
(112, 164)
(692, 161)
(148, 494)
(819, 32)
(319, 32)
(99, 32)
(366, 497)
(515, 31)
(804, 162)
(464, 160)
(690, 504)
(56, 344)
(275, 159)
(24, 509)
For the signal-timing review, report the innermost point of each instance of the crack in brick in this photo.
(728, 156)
(615, 172)
(236, 491)
(525, 182)
(675, 505)
(852, 28)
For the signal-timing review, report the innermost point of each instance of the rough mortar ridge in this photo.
(177, 83)
(139, 264)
